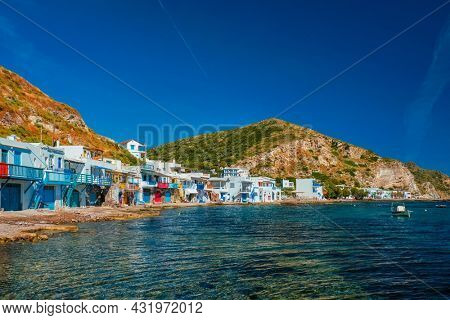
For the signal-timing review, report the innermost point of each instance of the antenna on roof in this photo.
(53, 135)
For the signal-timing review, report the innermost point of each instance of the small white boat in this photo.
(399, 210)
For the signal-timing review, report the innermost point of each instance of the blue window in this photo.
(59, 163)
(4, 156)
(132, 147)
(17, 158)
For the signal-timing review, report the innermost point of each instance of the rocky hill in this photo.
(277, 148)
(27, 112)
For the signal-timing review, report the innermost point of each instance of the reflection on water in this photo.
(265, 252)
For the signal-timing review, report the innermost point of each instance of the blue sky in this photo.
(238, 62)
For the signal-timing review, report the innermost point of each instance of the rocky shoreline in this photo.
(38, 225)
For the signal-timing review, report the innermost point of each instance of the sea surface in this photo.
(336, 251)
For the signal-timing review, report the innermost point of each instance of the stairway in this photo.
(67, 195)
(36, 199)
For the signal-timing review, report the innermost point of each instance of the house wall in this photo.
(306, 189)
(133, 147)
(25, 197)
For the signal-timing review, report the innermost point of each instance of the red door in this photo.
(158, 197)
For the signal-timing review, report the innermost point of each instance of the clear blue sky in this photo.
(238, 62)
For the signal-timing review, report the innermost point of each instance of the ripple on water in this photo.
(266, 252)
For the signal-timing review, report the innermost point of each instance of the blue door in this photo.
(10, 197)
(92, 198)
(48, 197)
(167, 196)
(17, 158)
(75, 200)
(4, 156)
(146, 196)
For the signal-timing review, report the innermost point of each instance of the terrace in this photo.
(58, 177)
(173, 185)
(149, 183)
(14, 171)
(96, 180)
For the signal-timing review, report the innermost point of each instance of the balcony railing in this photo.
(85, 179)
(57, 177)
(147, 167)
(189, 186)
(151, 183)
(102, 181)
(133, 180)
(91, 179)
(20, 172)
(163, 185)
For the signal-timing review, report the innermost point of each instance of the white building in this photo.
(220, 187)
(93, 174)
(308, 189)
(235, 172)
(31, 176)
(264, 190)
(135, 148)
(288, 184)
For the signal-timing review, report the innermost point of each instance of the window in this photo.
(17, 158)
(59, 163)
(4, 156)
(132, 147)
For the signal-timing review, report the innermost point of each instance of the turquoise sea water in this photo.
(337, 251)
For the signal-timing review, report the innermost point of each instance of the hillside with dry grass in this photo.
(280, 149)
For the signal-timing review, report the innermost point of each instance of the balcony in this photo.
(58, 177)
(163, 185)
(14, 171)
(85, 179)
(191, 186)
(133, 180)
(102, 181)
(151, 183)
(147, 167)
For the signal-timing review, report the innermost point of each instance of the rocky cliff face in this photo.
(27, 112)
(277, 148)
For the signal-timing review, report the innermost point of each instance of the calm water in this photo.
(336, 251)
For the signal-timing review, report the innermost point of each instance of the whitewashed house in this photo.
(134, 147)
(264, 190)
(31, 176)
(93, 175)
(308, 189)
(286, 184)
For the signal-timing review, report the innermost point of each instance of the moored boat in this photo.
(399, 210)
